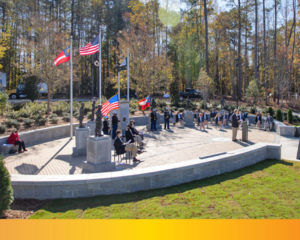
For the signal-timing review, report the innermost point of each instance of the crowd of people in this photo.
(132, 141)
(220, 119)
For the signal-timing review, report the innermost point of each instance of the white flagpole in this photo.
(119, 85)
(100, 65)
(128, 92)
(71, 88)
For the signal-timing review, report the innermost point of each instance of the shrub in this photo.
(271, 111)
(290, 116)
(60, 108)
(253, 110)
(24, 113)
(31, 88)
(243, 108)
(181, 110)
(203, 105)
(28, 122)
(41, 122)
(3, 101)
(6, 191)
(284, 116)
(36, 117)
(161, 103)
(18, 106)
(2, 129)
(279, 115)
(36, 108)
(54, 120)
(11, 115)
(133, 105)
(174, 92)
(12, 123)
(215, 104)
(66, 117)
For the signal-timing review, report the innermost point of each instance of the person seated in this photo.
(15, 140)
(138, 136)
(269, 123)
(129, 135)
(122, 147)
(106, 127)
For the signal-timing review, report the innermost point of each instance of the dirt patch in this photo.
(22, 209)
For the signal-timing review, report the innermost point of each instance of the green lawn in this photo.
(270, 189)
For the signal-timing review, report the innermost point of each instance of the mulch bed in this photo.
(22, 209)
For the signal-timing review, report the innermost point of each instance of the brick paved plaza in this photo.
(55, 158)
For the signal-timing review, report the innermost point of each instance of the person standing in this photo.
(206, 118)
(153, 117)
(15, 140)
(167, 119)
(201, 122)
(258, 120)
(106, 127)
(114, 122)
(235, 124)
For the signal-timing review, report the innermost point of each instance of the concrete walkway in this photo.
(289, 147)
(55, 158)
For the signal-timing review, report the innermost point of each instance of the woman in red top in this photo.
(15, 140)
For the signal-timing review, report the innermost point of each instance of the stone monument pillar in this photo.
(81, 136)
(244, 131)
(98, 154)
(92, 126)
(124, 115)
(189, 118)
(298, 152)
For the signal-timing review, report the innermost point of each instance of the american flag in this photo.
(110, 105)
(90, 48)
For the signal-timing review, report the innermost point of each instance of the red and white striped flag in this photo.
(90, 48)
(110, 105)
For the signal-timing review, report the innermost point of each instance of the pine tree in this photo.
(6, 191)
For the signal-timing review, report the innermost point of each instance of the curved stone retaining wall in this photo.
(87, 185)
(56, 132)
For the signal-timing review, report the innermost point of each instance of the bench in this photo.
(6, 148)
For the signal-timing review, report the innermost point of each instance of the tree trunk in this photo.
(239, 80)
(276, 82)
(265, 53)
(206, 37)
(256, 45)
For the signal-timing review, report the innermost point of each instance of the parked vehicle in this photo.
(19, 92)
(191, 93)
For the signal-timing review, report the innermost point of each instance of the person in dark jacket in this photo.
(106, 127)
(129, 135)
(138, 136)
(153, 120)
(167, 119)
(269, 123)
(122, 147)
(258, 120)
(235, 124)
(114, 122)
